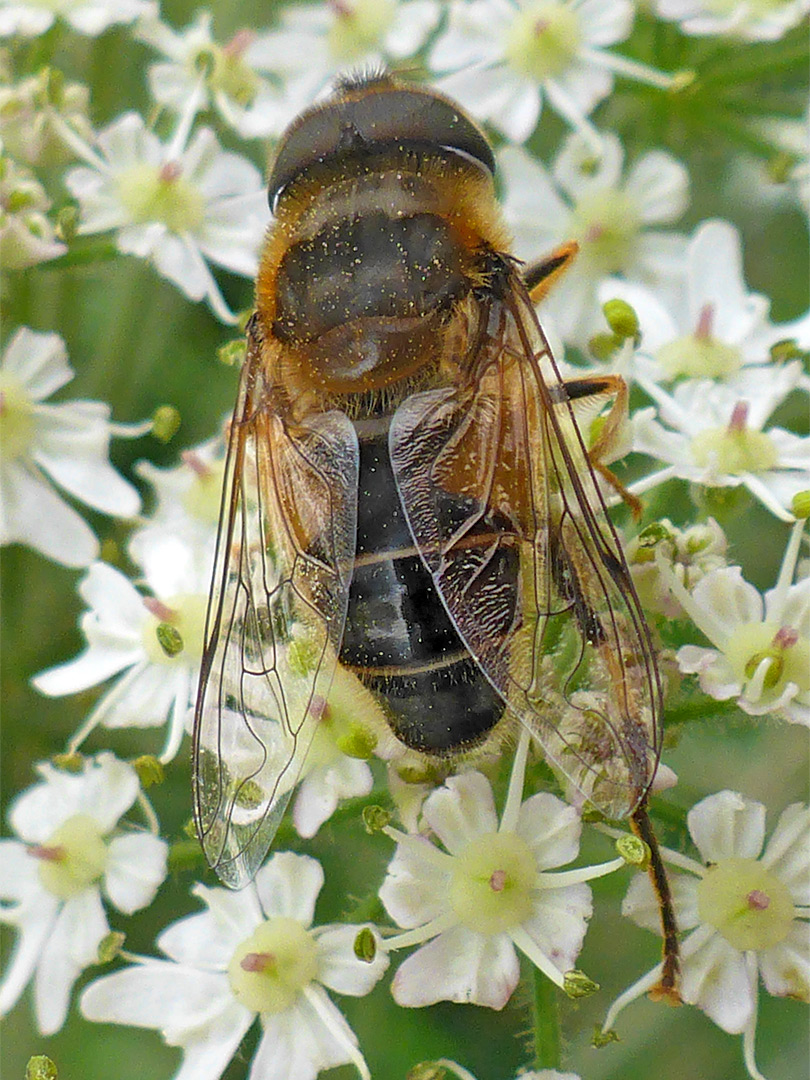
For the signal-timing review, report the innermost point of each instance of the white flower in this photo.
(52, 879)
(714, 436)
(612, 217)
(489, 891)
(507, 57)
(153, 642)
(250, 952)
(180, 204)
(762, 644)
(90, 17)
(717, 327)
(689, 553)
(25, 116)
(317, 41)
(67, 443)
(177, 540)
(744, 912)
(26, 235)
(252, 105)
(751, 20)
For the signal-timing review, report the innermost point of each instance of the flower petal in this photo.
(550, 828)
(787, 853)
(785, 968)
(136, 866)
(726, 824)
(289, 885)
(461, 811)
(339, 967)
(715, 979)
(72, 946)
(461, 966)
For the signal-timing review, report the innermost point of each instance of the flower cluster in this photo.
(133, 216)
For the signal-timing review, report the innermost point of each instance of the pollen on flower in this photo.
(186, 614)
(700, 354)
(543, 40)
(784, 650)
(16, 419)
(160, 193)
(358, 26)
(203, 497)
(492, 882)
(226, 70)
(746, 903)
(735, 449)
(606, 226)
(72, 858)
(271, 967)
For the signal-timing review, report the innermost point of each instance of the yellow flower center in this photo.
(226, 71)
(74, 857)
(543, 40)
(160, 193)
(746, 903)
(606, 225)
(204, 495)
(734, 450)
(492, 883)
(697, 357)
(358, 26)
(785, 650)
(174, 632)
(16, 418)
(272, 966)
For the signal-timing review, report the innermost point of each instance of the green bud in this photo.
(426, 1070)
(67, 222)
(40, 1067)
(169, 638)
(800, 506)
(149, 770)
(375, 819)
(603, 1038)
(787, 349)
(577, 984)
(780, 166)
(69, 763)
(232, 353)
(165, 423)
(622, 319)
(110, 946)
(634, 851)
(682, 80)
(358, 742)
(365, 945)
(249, 795)
(603, 346)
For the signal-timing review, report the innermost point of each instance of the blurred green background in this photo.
(136, 342)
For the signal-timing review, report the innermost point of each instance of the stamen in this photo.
(46, 853)
(705, 323)
(159, 609)
(170, 172)
(739, 417)
(239, 42)
(196, 464)
(258, 962)
(497, 880)
(785, 637)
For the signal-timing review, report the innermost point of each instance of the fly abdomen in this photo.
(399, 638)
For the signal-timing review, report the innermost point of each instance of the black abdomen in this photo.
(399, 638)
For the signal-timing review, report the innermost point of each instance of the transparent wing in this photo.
(509, 518)
(276, 614)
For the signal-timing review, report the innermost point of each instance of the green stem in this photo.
(546, 1022)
